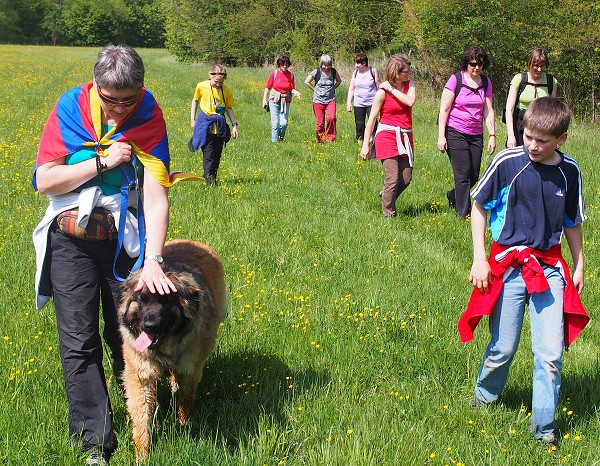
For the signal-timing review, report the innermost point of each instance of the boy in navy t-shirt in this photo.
(533, 193)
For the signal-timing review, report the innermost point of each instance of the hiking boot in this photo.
(451, 199)
(211, 180)
(95, 458)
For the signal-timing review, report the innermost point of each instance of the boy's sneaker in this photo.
(476, 404)
(548, 442)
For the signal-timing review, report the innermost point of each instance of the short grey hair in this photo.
(119, 66)
(325, 60)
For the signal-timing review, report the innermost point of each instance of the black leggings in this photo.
(361, 114)
(211, 154)
(464, 152)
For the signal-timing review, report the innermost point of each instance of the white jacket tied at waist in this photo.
(86, 200)
(402, 140)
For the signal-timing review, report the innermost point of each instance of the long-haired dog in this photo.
(170, 335)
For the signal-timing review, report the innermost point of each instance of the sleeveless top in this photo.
(393, 113)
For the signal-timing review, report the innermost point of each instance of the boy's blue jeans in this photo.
(279, 120)
(547, 342)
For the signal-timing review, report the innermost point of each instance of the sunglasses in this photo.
(475, 64)
(218, 74)
(128, 102)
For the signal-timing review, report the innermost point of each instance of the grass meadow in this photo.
(341, 346)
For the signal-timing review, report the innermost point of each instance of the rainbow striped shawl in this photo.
(75, 123)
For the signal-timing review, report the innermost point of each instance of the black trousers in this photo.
(464, 152)
(211, 154)
(82, 277)
(361, 114)
(519, 129)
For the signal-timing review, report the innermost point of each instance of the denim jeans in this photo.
(279, 120)
(547, 341)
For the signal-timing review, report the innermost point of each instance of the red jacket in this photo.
(504, 257)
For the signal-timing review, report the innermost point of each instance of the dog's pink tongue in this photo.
(143, 342)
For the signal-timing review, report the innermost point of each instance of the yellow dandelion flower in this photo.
(432, 455)
(349, 432)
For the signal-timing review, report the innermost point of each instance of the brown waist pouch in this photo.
(101, 225)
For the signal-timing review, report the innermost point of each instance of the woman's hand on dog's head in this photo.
(154, 278)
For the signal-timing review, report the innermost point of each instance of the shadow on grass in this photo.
(237, 392)
(233, 180)
(579, 394)
(423, 209)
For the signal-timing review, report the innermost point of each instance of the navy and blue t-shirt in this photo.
(529, 202)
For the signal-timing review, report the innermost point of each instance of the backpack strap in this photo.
(371, 71)
(523, 84)
(550, 83)
(525, 81)
(318, 74)
(485, 82)
(459, 83)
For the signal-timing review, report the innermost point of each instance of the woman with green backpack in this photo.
(525, 88)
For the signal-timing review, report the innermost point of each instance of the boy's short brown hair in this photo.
(547, 115)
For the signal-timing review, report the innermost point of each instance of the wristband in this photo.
(492, 135)
(100, 167)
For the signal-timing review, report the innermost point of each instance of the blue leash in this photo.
(127, 182)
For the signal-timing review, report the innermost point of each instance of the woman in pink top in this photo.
(363, 86)
(462, 112)
(393, 140)
(278, 95)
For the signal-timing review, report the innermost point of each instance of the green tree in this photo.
(93, 22)
(21, 21)
(509, 31)
(254, 31)
(144, 24)
(8, 21)
(574, 44)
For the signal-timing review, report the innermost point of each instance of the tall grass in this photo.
(341, 346)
